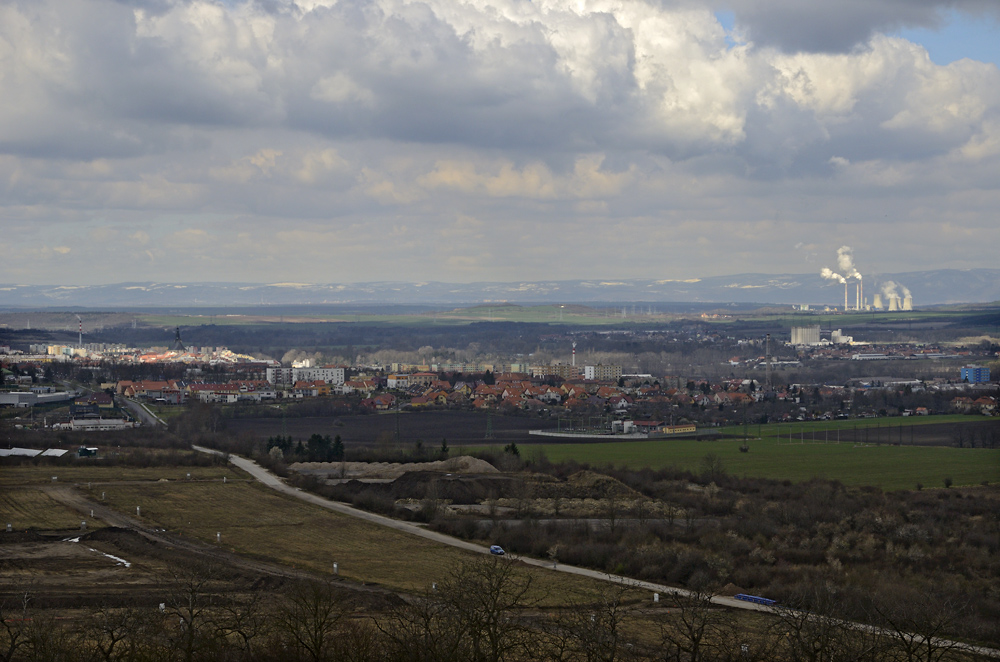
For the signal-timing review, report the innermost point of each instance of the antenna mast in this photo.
(767, 360)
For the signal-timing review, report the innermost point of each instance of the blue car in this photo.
(497, 550)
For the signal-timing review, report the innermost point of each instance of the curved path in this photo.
(274, 482)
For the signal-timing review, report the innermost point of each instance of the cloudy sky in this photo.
(469, 140)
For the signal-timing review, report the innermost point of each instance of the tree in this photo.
(318, 447)
(593, 630)
(337, 450)
(14, 621)
(245, 620)
(485, 596)
(712, 467)
(309, 618)
(189, 603)
(918, 622)
(689, 634)
(122, 633)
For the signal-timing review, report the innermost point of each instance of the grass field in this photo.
(30, 508)
(97, 473)
(885, 466)
(256, 521)
(545, 314)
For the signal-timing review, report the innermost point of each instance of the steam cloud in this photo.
(831, 275)
(889, 289)
(845, 260)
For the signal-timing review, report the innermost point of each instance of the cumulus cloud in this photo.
(205, 123)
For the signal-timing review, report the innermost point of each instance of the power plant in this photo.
(897, 296)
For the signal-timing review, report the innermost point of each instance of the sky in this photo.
(323, 141)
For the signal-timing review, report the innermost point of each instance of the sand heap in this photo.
(463, 464)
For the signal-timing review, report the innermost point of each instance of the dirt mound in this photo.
(590, 484)
(18, 537)
(463, 464)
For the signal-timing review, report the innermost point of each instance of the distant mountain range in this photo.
(945, 286)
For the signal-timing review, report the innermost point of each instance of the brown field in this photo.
(32, 508)
(256, 522)
(95, 473)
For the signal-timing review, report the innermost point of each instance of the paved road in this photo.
(274, 482)
(143, 414)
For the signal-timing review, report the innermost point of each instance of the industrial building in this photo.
(805, 335)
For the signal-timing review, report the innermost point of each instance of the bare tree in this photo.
(122, 633)
(310, 616)
(421, 630)
(245, 621)
(593, 632)
(189, 603)
(690, 632)
(14, 623)
(485, 596)
(918, 623)
(50, 641)
(815, 632)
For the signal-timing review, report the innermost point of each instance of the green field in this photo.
(545, 314)
(888, 467)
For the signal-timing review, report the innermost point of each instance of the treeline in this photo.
(487, 610)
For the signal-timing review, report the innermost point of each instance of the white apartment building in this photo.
(602, 372)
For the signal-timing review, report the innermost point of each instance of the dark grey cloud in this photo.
(838, 26)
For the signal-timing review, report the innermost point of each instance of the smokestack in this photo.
(845, 296)
(861, 291)
(857, 296)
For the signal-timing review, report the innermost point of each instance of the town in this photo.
(802, 377)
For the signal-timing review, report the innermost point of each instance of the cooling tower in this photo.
(908, 303)
(877, 303)
(893, 303)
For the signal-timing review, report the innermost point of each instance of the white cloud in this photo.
(505, 126)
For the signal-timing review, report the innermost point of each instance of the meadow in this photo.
(801, 451)
(255, 521)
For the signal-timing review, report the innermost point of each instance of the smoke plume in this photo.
(831, 275)
(845, 260)
(889, 289)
